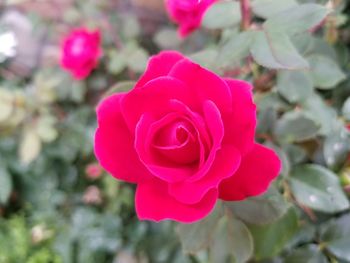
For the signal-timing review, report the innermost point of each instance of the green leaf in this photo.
(206, 58)
(131, 27)
(266, 120)
(6, 104)
(30, 146)
(296, 154)
(222, 14)
(275, 50)
(306, 234)
(297, 19)
(121, 86)
(336, 147)
(117, 62)
(270, 239)
(167, 38)
(235, 49)
(137, 60)
(304, 42)
(321, 113)
(197, 236)
(306, 254)
(78, 91)
(295, 126)
(346, 109)
(46, 128)
(336, 237)
(295, 86)
(263, 209)
(271, 100)
(325, 72)
(318, 188)
(231, 240)
(267, 8)
(5, 184)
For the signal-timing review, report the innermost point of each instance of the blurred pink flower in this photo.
(92, 196)
(93, 170)
(80, 52)
(187, 13)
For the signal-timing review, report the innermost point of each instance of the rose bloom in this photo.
(185, 136)
(80, 52)
(187, 13)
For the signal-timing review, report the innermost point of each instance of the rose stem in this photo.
(246, 14)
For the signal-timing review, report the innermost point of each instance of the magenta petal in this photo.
(226, 163)
(153, 98)
(114, 146)
(154, 203)
(204, 84)
(257, 170)
(240, 124)
(143, 147)
(216, 128)
(159, 65)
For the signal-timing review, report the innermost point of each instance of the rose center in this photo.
(177, 142)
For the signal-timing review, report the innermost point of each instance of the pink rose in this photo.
(185, 136)
(187, 13)
(80, 52)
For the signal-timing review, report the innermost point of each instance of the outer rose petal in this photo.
(82, 72)
(204, 84)
(240, 124)
(114, 144)
(154, 203)
(159, 65)
(258, 168)
(226, 163)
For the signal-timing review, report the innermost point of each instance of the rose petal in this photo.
(257, 170)
(240, 124)
(216, 128)
(226, 163)
(159, 65)
(177, 141)
(114, 144)
(153, 98)
(188, 14)
(204, 84)
(154, 203)
(171, 173)
(159, 167)
(203, 136)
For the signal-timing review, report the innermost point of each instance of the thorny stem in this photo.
(246, 14)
